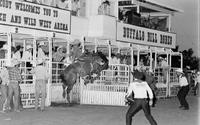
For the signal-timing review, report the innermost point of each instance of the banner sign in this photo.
(139, 35)
(34, 16)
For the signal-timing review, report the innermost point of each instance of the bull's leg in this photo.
(64, 90)
(69, 88)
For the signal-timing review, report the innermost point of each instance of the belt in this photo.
(184, 85)
(140, 98)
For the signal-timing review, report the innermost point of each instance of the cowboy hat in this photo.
(179, 70)
(41, 43)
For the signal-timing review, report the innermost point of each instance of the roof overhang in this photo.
(150, 6)
(164, 6)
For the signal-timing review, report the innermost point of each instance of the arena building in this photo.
(135, 32)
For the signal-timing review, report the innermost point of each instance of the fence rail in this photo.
(109, 89)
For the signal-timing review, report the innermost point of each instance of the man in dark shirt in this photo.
(13, 86)
(141, 95)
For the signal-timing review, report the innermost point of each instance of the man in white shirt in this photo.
(41, 55)
(27, 55)
(42, 76)
(138, 95)
(182, 93)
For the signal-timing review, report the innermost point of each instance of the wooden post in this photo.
(132, 59)
(95, 46)
(109, 51)
(9, 43)
(82, 44)
(138, 57)
(48, 98)
(151, 60)
(181, 61)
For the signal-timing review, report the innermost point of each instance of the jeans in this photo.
(136, 106)
(182, 93)
(4, 96)
(13, 90)
(40, 87)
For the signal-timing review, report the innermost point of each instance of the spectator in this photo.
(104, 8)
(41, 54)
(147, 60)
(76, 49)
(75, 7)
(59, 55)
(120, 14)
(18, 53)
(27, 55)
(3, 51)
(182, 93)
(4, 81)
(41, 74)
(165, 67)
(137, 97)
(13, 86)
(64, 4)
(142, 62)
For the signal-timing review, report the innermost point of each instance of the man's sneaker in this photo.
(185, 108)
(181, 107)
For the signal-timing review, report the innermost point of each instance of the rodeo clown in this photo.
(137, 97)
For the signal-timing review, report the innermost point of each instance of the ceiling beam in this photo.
(157, 8)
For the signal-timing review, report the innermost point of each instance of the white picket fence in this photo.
(109, 89)
(57, 90)
(103, 94)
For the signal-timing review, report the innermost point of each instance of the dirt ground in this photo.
(166, 112)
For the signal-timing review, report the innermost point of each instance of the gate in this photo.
(162, 91)
(103, 94)
(27, 86)
(173, 83)
(109, 89)
(169, 89)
